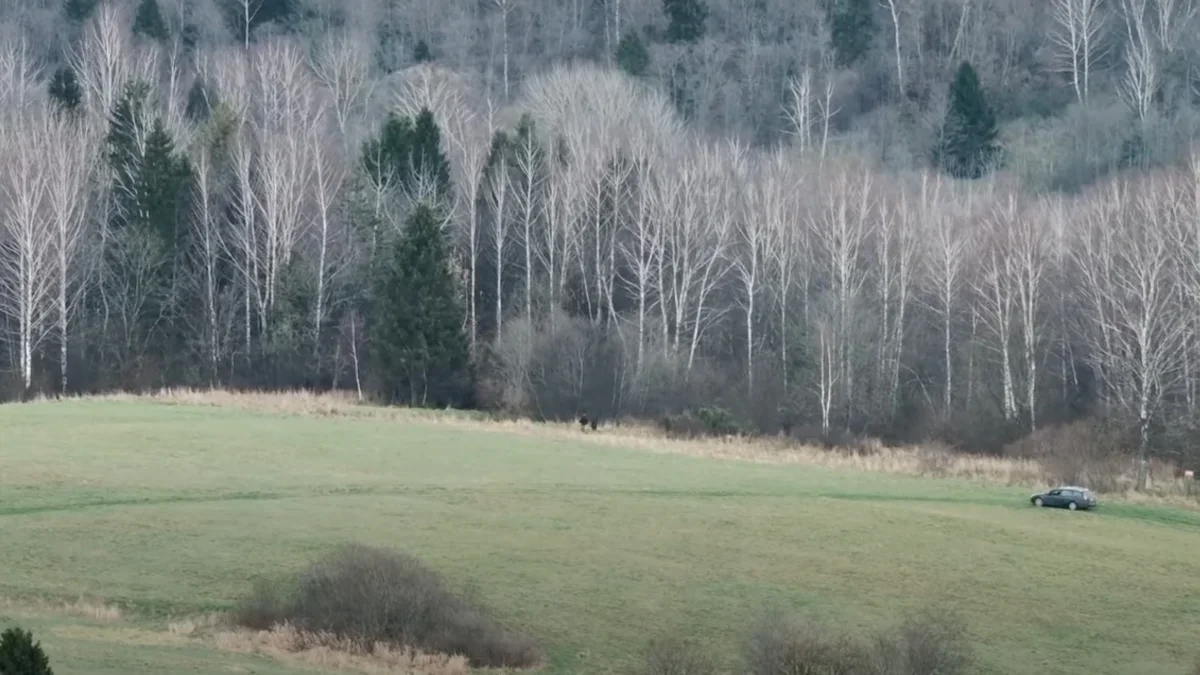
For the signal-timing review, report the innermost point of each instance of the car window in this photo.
(1070, 493)
(1055, 493)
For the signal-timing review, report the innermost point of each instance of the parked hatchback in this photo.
(1067, 496)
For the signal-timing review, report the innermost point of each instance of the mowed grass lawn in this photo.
(173, 510)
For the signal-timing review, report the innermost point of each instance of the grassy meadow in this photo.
(587, 541)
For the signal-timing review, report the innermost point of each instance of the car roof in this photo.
(1072, 487)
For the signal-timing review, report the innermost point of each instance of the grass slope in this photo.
(174, 509)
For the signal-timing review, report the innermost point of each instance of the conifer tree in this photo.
(65, 90)
(421, 52)
(416, 333)
(79, 11)
(685, 20)
(20, 655)
(163, 182)
(407, 152)
(148, 21)
(632, 55)
(427, 156)
(852, 29)
(151, 178)
(967, 147)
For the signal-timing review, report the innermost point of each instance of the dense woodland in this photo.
(916, 219)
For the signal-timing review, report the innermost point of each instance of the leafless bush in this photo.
(924, 644)
(781, 644)
(678, 657)
(369, 595)
(934, 643)
(1080, 453)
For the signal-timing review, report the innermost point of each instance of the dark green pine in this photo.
(416, 323)
(685, 20)
(632, 55)
(148, 21)
(968, 146)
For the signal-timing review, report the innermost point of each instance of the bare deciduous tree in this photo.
(27, 256)
(69, 153)
(1078, 37)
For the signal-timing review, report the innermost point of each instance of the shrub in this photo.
(935, 643)
(20, 655)
(683, 425)
(925, 644)
(676, 657)
(718, 421)
(781, 644)
(370, 595)
(707, 421)
(1080, 453)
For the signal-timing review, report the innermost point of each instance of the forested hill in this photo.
(913, 218)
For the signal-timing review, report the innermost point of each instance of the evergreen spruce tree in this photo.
(632, 55)
(427, 156)
(406, 152)
(852, 28)
(128, 120)
(163, 183)
(152, 179)
(967, 147)
(148, 21)
(384, 157)
(65, 90)
(416, 323)
(79, 11)
(20, 655)
(421, 52)
(685, 20)
(199, 108)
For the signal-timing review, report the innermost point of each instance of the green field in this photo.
(173, 510)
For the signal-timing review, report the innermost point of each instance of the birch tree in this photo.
(840, 229)
(948, 243)
(69, 154)
(27, 255)
(995, 290)
(1138, 324)
(1140, 82)
(1077, 35)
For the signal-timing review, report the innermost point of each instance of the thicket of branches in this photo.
(752, 219)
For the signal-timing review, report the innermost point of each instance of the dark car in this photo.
(1067, 496)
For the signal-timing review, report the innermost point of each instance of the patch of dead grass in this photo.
(327, 652)
(83, 608)
(927, 461)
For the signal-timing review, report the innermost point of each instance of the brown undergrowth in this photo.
(83, 608)
(929, 460)
(320, 650)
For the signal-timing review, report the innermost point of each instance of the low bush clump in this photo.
(369, 595)
(677, 657)
(20, 655)
(708, 421)
(782, 644)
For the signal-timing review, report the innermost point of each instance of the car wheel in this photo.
(1072, 506)
(1038, 502)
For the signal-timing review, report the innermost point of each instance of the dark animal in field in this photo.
(595, 423)
(583, 422)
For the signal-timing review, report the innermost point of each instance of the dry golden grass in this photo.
(283, 643)
(929, 461)
(330, 653)
(82, 608)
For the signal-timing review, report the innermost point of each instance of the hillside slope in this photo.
(174, 510)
